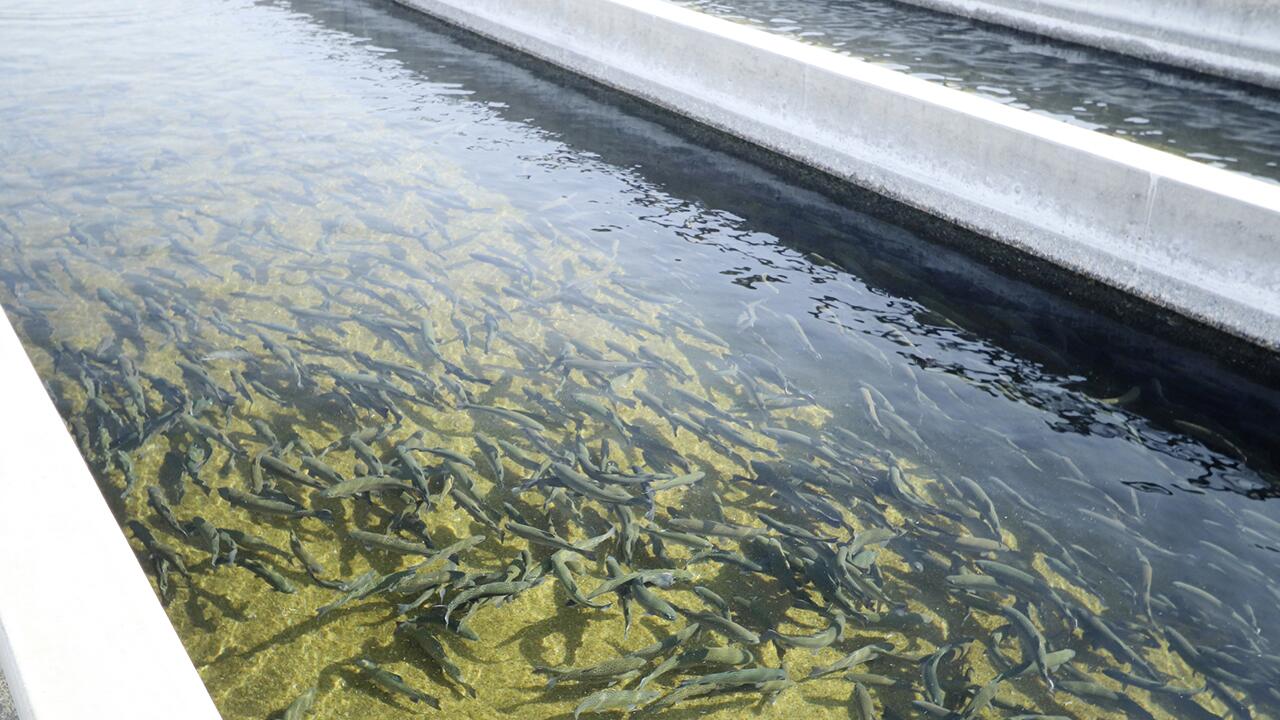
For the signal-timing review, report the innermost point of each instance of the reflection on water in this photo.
(1211, 120)
(418, 379)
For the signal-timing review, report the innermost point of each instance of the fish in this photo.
(214, 539)
(200, 428)
(473, 507)
(711, 598)
(614, 570)
(488, 590)
(394, 683)
(861, 656)
(732, 678)
(791, 530)
(361, 587)
(613, 670)
(563, 563)
(803, 337)
(309, 563)
(301, 706)
(813, 642)
(264, 431)
(160, 553)
(1096, 628)
(625, 700)
(652, 602)
(549, 539)
(125, 463)
(246, 541)
(390, 542)
(436, 651)
(726, 557)
(684, 538)
(714, 527)
(985, 505)
(650, 576)
(606, 368)
(722, 625)
(320, 470)
(1034, 643)
(515, 417)
(277, 581)
(864, 706)
(583, 485)
(155, 498)
(1144, 597)
(596, 407)
(449, 454)
(713, 655)
(365, 484)
(491, 451)
(450, 552)
(271, 506)
(283, 470)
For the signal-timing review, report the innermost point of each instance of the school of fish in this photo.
(407, 458)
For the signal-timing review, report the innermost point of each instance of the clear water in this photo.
(1215, 121)
(276, 195)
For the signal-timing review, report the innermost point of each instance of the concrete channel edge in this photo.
(1191, 238)
(82, 634)
(1235, 39)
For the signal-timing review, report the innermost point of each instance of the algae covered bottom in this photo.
(423, 383)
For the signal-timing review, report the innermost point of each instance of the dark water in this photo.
(1219, 122)
(259, 249)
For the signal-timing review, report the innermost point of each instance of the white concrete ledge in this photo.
(82, 635)
(1195, 239)
(1237, 39)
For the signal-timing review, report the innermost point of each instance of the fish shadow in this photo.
(313, 624)
(691, 713)
(568, 692)
(345, 671)
(220, 603)
(171, 476)
(531, 637)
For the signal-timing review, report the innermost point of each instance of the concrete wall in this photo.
(1238, 39)
(1201, 241)
(7, 711)
(81, 632)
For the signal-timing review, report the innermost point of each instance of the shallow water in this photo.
(278, 194)
(1219, 122)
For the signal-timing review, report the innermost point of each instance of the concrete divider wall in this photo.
(1192, 238)
(1238, 39)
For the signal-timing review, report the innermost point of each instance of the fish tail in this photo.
(551, 681)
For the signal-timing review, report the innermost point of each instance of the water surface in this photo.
(258, 249)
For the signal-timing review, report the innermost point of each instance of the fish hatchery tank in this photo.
(425, 380)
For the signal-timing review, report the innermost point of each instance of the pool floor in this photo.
(417, 373)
